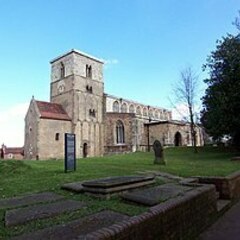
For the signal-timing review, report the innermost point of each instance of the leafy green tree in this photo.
(221, 103)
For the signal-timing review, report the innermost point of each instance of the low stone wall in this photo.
(183, 217)
(117, 149)
(228, 187)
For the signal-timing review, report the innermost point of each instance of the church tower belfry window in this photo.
(62, 70)
(88, 71)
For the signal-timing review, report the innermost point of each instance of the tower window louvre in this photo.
(88, 71)
(62, 70)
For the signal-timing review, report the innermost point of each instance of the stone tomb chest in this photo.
(111, 185)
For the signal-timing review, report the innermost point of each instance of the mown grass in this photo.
(21, 177)
(18, 177)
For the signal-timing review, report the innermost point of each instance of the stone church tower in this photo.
(102, 123)
(77, 84)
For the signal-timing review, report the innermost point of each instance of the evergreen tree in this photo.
(221, 103)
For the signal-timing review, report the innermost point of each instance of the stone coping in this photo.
(230, 176)
(29, 199)
(228, 187)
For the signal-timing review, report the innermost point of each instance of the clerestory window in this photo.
(116, 106)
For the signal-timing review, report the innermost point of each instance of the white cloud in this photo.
(12, 125)
(180, 112)
(109, 62)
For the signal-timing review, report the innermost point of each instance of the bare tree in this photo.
(186, 92)
(237, 21)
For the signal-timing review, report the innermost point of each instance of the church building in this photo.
(103, 124)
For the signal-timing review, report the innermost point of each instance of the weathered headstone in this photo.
(158, 150)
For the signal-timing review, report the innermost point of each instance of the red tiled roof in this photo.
(13, 150)
(52, 111)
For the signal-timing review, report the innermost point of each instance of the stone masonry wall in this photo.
(48, 146)
(128, 121)
(75, 64)
(228, 187)
(31, 132)
(183, 217)
(82, 97)
(165, 133)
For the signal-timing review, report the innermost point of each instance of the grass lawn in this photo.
(21, 177)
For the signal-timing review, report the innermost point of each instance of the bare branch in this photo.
(185, 92)
(237, 21)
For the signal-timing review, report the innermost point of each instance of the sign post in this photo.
(70, 152)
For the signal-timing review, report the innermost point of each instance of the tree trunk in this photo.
(193, 133)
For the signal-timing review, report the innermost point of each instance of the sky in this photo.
(145, 45)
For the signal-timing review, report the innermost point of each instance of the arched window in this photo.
(62, 70)
(119, 132)
(139, 110)
(131, 109)
(124, 108)
(161, 115)
(157, 114)
(151, 113)
(116, 106)
(145, 112)
(164, 115)
(88, 71)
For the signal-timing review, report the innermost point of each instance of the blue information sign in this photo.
(70, 152)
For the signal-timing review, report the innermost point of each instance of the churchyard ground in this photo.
(24, 177)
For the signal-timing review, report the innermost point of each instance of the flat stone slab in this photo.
(156, 195)
(23, 215)
(76, 229)
(116, 184)
(73, 187)
(235, 158)
(29, 199)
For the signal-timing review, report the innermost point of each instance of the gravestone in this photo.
(156, 195)
(76, 229)
(158, 150)
(29, 200)
(23, 215)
